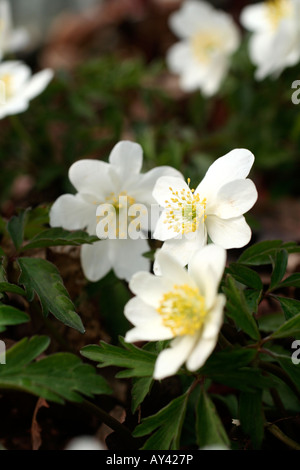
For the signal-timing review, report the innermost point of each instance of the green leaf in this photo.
(59, 237)
(228, 360)
(290, 328)
(291, 281)
(245, 275)
(252, 298)
(289, 367)
(15, 228)
(7, 286)
(290, 307)
(167, 424)
(245, 379)
(280, 264)
(137, 361)
(42, 277)
(260, 253)
(251, 416)
(270, 322)
(11, 316)
(238, 310)
(209, 427)
(58, 377)
(140, 388)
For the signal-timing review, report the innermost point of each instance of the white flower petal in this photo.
(165, 186)
(179, 57)
(150, 288)
(234, 199)
(127, 257)
(95, 260)
(71, 212)
(172, 358)
(182, 249)
(142, 190)
(206, 268)
(13, 106)
(215, 318)
(232, 166)
(185, 22)
(171, 269)
(138, 312)
(255, 17)
(200, 353)
(127, 158)
(152, 331)
(37, 84)
(209, 336)
(228, 233)
(215, 75)
(163, 229)
(91, 177)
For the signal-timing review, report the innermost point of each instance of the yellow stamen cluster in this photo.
(183, 310)
(204, 43)
(277, 10)
(185, 211)
(117, 202)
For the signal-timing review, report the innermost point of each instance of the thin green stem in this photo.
(283, 437)
(111, 422)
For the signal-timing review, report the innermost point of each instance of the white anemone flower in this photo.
(18, 86)
(214, 209)
(11, 40)
(275, 42)
(182, 305)
(119, 186)
(208, 39)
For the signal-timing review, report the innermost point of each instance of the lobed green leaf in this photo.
(42, 277)
(58, 377)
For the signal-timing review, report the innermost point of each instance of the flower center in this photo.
(6, 89)
(115, 218)
(204, 44)
(121, 201)
(183, 310)
(186, 211)
(277, 10)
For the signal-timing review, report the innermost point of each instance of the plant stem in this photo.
(283, 437)
(111, 422)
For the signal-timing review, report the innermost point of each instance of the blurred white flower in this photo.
(11, 40)
(119, 185)
(85, 443)
(180, 305)
(18, 86)
(275, 42)
(215, 208)
(208, 39)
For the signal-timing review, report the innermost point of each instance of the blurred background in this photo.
(112, 83)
